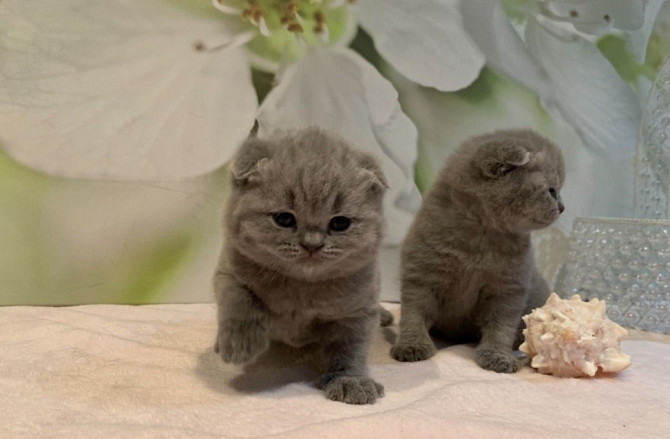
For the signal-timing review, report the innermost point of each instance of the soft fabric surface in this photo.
(149, 371)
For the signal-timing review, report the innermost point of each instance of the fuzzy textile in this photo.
(105, 371)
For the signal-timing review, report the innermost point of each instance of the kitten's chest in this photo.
(496, 253)
(318, 300)
(302, 313)
(490, 265)
(299, 329)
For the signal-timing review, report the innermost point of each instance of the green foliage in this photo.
(658, 49)
(613, 47)
(22, 265)
(153, 268)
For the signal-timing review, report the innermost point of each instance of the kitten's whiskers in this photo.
(289, 251)
(332, 252)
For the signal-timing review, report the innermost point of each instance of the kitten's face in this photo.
(530, 199)
(313, 213)
(523, 195)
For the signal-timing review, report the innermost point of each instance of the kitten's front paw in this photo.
(350, 389)
(238, 346)
(497, 360)
(413, 352)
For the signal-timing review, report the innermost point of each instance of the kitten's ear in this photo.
(498, 157)
(249, 161)
(372, 170)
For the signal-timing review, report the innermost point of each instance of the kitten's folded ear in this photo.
(249, 161)
(498, 157)
(372, 170)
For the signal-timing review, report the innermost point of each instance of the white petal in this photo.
(609, 179)
(117, 89)
(263, 27)
(586, 89)
(499, 103)
(637, 41)
(424, 40)
(505, 51)
(230, 10)
(597, 16)
(90, 244)
(338, 90)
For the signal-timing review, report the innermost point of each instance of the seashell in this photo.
(572, 338)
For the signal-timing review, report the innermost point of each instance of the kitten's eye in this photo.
(339, 223)
(284, 219)
(553, 194)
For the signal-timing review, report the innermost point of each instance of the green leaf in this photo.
(658, 49)
(22, 264)
(613, 47)
(152, 269)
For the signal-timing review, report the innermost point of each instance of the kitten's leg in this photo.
(347, 378)
(414, 342)
(498, 317)
(243, 331)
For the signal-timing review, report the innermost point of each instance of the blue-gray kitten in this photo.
(303, 227)
(468, 272)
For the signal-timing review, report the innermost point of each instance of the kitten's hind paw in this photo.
(385, 317)
(497, 360)
(414, 352)
(350, 389)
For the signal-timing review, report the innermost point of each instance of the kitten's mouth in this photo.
(311, 258)
(545, 222)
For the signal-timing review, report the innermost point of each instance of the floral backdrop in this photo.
(117, 118)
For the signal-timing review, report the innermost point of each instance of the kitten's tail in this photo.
(385, 316)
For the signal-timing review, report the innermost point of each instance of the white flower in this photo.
(362, 107)
(596, 16)
(496, 102)
(156, 90)
(118, 89)
(596, 185)
(424, 40)
(555, 58)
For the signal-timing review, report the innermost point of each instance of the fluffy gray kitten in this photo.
(468, 272)
(303, 227)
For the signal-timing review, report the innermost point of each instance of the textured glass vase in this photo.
(652, 157)
(624, 262)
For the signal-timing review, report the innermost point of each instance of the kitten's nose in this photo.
(312, 241)
(561, 207)
(311, 247)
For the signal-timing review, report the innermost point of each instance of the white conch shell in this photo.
(571, 338)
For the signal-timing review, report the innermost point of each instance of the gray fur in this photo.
(267, 285)
(468, 272)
